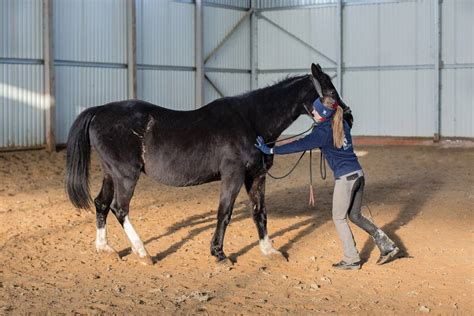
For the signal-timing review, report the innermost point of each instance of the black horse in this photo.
(185, 148)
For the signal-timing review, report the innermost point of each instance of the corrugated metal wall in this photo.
(91, 55)
(457, 76)
(386, 80)
(228, 67)
(22, 111)
(387, 59)
(165, 53)
(290, 40)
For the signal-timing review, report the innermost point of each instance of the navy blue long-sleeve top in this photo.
(341, 160)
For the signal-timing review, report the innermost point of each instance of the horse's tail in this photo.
(78, 160)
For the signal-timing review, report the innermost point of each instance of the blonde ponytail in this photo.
(336, 123)
(338, 128)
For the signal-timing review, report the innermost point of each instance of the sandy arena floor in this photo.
(422, 196)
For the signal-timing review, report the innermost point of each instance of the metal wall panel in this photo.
(22, 106)
(457, 31)
(295, 4)
(291, 3)
(235, 53)
(78, 88)
(457, 96)
(457, 102)
(165, 33)
(388, 34)
(234, 3)
(90, 30)
(391, 103)
(169, 89)
(230, 84)
(279, 50)
(21, 32)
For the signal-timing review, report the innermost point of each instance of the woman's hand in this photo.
(260, 144)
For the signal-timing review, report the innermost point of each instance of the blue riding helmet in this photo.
(323, 111)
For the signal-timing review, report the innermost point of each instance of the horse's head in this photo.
(324, 87)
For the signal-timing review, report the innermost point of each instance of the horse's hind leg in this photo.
(102, 206)
(256, 190)
(230, 187)
(124, 188)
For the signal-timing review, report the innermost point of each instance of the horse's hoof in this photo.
(108, 252)
(225, 262)
(147, 260)
(104, 249)
(277, 256)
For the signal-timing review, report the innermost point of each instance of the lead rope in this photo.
(311, 190)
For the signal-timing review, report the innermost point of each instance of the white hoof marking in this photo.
(137, 244)
(266, 246)
(101, 244)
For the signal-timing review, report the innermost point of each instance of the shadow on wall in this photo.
(279, 206)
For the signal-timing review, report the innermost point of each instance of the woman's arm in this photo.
(316, 139)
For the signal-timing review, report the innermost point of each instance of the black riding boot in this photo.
(388, 250)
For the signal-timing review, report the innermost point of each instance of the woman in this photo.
(332, 135)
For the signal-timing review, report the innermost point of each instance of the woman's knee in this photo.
(356, 217)
(338, 218)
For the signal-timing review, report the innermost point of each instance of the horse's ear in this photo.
(314, 70)
(317, 86)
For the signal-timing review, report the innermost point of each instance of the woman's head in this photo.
(323, 108)
(326, 108)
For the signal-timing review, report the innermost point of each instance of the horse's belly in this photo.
(180, 173)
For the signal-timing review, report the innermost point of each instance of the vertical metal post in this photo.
(253, 46)
(437, 70)
(49, 93)
(199, 53)
(132, 48)
(339, 48)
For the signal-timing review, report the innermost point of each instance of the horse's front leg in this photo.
(256, 190)
(231, 182)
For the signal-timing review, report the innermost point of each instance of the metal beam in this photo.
(295, 37)
(92, 64)
(328, 4)
(132, 48)
(339, 55)
(198, 53)
(437, 70)
(236, 26)
(253, 46)
(49, 92)
(291, 70)
(214, 86)
(227, 70)
(225, 6)
(21, 61)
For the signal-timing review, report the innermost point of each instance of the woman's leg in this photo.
(385, 244)
(340, 206)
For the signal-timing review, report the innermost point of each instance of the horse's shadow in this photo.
(376, 193)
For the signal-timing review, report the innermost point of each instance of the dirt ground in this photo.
(422, 196)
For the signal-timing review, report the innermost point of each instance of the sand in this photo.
(422, 196)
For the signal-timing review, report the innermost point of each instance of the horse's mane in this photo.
(275, 86)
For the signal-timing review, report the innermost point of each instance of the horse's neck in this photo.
(278, 109)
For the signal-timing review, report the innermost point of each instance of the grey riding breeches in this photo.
(347, 202)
